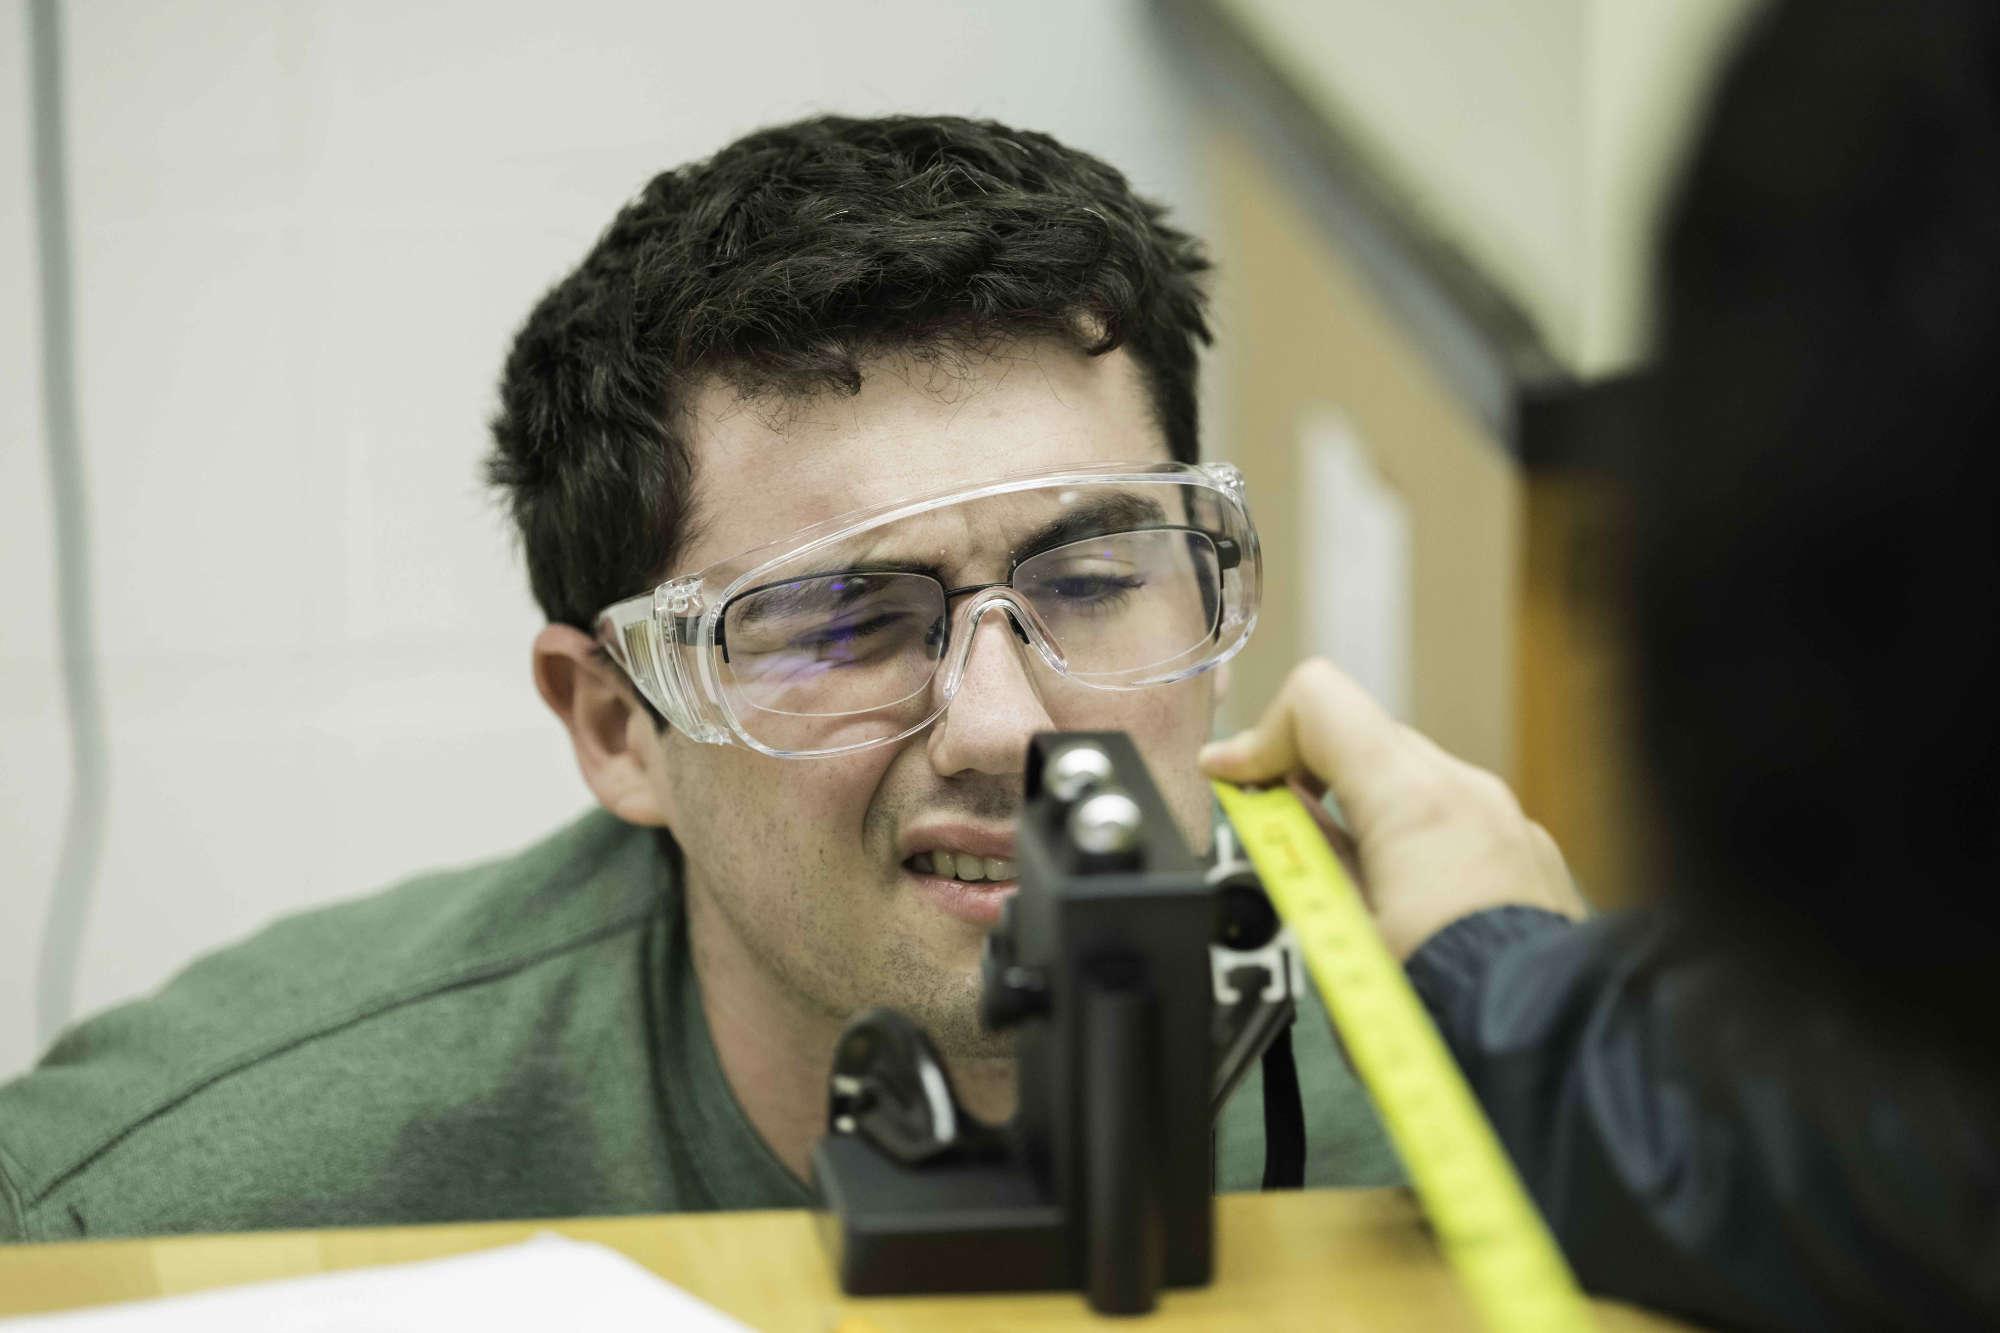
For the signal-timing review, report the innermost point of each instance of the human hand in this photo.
(1435, 838)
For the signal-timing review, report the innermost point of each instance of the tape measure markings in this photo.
(1488, 1228)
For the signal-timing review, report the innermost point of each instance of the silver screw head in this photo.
(1104, 823)
(1075, 770)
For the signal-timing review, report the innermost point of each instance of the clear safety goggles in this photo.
(856, 631)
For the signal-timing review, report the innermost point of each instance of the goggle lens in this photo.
(842, 645)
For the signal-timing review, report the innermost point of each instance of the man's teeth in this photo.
(963, 865)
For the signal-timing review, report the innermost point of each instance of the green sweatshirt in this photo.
(517, 1039)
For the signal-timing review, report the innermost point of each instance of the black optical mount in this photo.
(1140, 986)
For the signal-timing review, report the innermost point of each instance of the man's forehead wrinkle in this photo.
(933, 538)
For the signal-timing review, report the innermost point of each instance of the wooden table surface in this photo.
(1321, 1259)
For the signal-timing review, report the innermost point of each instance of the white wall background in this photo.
(304, 232)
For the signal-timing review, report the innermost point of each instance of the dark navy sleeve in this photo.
(1694, 1161)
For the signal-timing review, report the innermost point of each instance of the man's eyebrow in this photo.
(1111, 513)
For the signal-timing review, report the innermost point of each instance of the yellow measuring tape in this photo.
(1490, 1232)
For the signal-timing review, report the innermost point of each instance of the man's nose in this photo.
(997, 707)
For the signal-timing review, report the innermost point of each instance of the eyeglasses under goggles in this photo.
(856, 631)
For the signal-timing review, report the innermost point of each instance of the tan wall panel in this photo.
(1576, 772)
(1301, 332)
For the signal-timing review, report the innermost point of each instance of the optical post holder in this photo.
(1103, 967)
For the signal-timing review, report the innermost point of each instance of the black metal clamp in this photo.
(1109, 965)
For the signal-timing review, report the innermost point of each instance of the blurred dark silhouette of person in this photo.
(1767, 1100)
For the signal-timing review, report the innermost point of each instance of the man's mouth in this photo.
(965, 866)
(965, 870)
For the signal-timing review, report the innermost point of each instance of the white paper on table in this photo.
(547, 1282)
(1355, 561)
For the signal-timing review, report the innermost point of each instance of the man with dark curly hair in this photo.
(846, 460)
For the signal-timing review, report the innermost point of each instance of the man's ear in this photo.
(617, 746)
